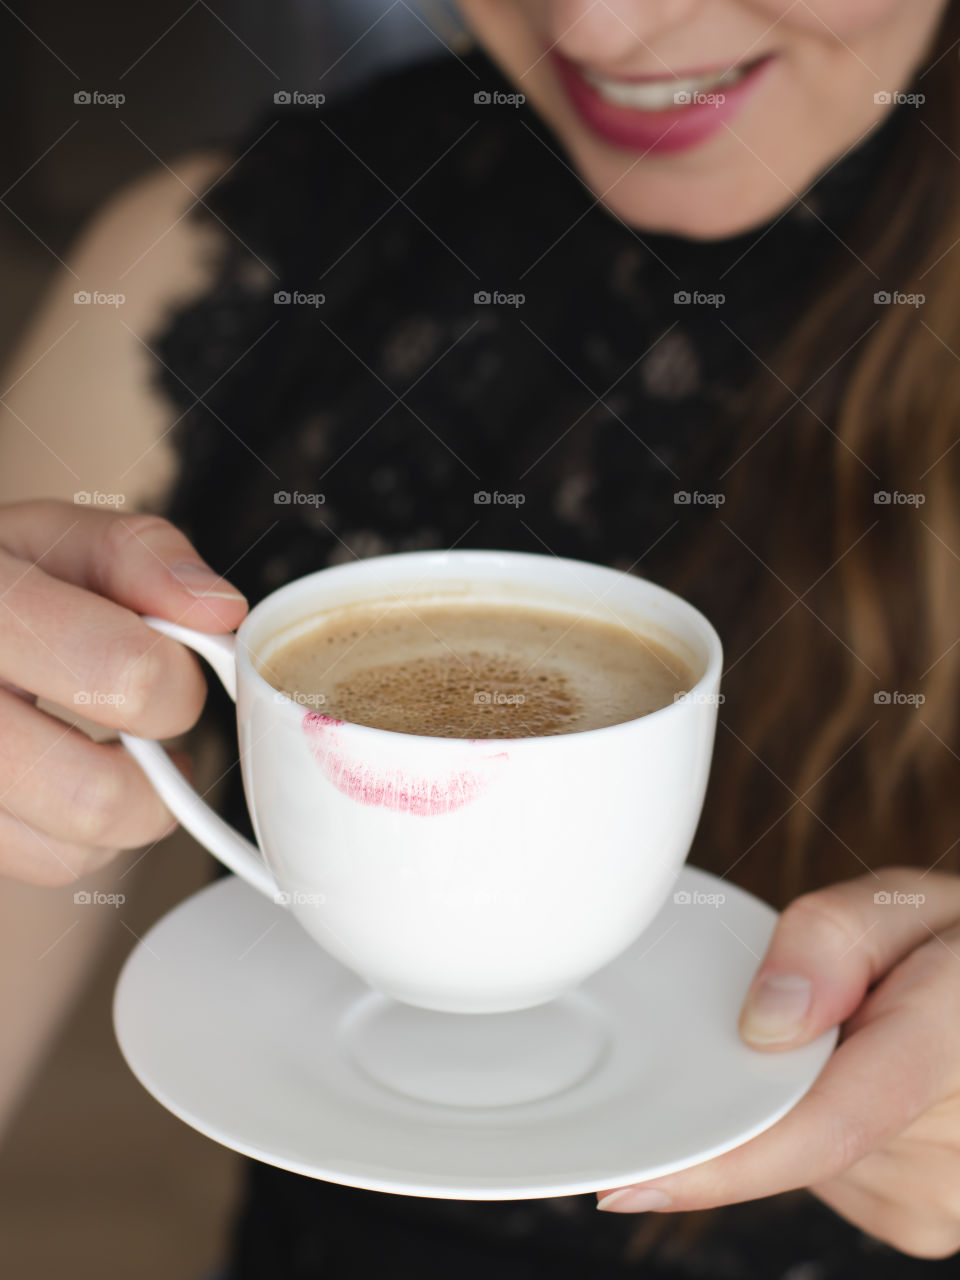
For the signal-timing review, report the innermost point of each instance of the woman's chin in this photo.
(676, 213)
(710, 193)
(704, 195)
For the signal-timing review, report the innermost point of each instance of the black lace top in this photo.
(425, 332)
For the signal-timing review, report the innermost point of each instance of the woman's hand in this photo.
(73, 580)
(878, 1135)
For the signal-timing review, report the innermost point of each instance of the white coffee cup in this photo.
(470, 876)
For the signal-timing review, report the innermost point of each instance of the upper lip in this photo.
(687, 73)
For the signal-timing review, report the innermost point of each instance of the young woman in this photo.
(682, 277)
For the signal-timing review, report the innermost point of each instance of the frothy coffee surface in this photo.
(473, 670)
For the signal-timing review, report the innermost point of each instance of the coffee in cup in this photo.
(466, 670)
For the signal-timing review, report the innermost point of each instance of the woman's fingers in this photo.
(831, 945)
(140, 561)
(55, 779)
(906, 1195)
(897, 1064)
(38, 858)
(89, 654)
(878, 954)
(74, 582)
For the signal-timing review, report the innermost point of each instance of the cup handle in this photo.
(235, 852)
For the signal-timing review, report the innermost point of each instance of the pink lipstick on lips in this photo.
(615, 107)
(393, 787)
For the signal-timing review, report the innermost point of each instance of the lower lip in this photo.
(660, 132)
(395, 788)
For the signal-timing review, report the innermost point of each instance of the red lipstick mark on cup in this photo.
(394, 787)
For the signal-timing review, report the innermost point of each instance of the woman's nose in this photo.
(609, 32)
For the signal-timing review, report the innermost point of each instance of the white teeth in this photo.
(660, 95)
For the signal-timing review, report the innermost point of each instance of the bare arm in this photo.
(77, 411)
(78, 415)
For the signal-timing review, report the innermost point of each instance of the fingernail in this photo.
(775, 1008)
(634, 1200)
(200, 580)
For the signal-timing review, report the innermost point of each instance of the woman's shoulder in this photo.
(78, 374)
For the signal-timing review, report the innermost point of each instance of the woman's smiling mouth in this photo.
(662, 113)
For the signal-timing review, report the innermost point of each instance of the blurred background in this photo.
(96, 1179)
(191, 74)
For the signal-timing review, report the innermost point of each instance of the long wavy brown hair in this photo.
(843, 681)
(838, 745)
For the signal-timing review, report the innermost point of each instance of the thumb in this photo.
(830, 946)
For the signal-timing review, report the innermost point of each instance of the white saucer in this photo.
(244, 1028)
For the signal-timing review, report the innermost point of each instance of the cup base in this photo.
(475, 1060)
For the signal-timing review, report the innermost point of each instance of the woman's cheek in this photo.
(845, 20)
